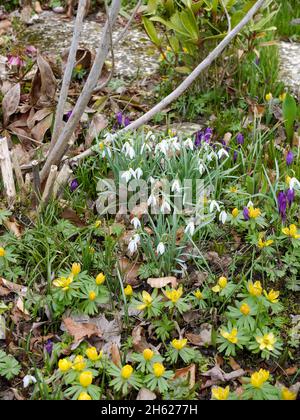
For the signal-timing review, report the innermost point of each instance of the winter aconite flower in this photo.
(235, 212)
(126, 371)
(291, 231)
(198, 294)
(2, 252)
(76, 268)
(64, 365)
(245, 309)
(282, 96)
(266, 341)
(179, 344)
(219, 393)
(86, 378)
(92, 295)
(264, 244)
(158, 370)
(63, 283)
(288, 395)
(231, 336)
(147, 301)
(259, 378)
(79, 363)
(222, 283)
(272, 296)
(92, 354)
(254, 212)
(128, 291)
(255, 289)
(100, 279)
(84, 396)
(174, 295)
(148, 354)
(269, 97)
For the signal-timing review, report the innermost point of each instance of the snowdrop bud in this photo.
(176, 186)
(136, 223)
(190, 228)
(127, 175)
(214, 205)
(222, 152)
(28, 380)
(223, 217)
(152, 200)
(293, 183)
(165, 207)
(133, 244)
(160, 249)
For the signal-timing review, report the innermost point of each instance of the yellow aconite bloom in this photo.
(174, 295)
(2, 252)
(79, 363)
(147, 299)
(292, 232)
(101, 146)
(267, 341)
(220, 393)
(126, 371)
(63, 282)
(198, 294)
(254, 213)
(179, 344)
(64, 365)
(92, 295)
(288, 395)
(255, 289)
(235, 212)
(76, 268)
(288, 180)
(272, 296)
(245, 309)
(158, 369)
(148, 354)
(92, 354)
(269, 97)
(86, 378)
(264, 244)
(100, 279)
(232, 336)
(128, 290)
(233, 189)
(84, 396)
(282, 96)
(222, 283)
(259, 378)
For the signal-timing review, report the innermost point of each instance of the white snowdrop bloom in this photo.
(150, 135)
(152, 200)
(250, 204)
(223, 217)
(133, 244)
(222, 152)
(189, 144)
(214, 205)
(293, 183)
(163, 147)
(138, 173)
(165, 207)
(201, 168)
(128, 150)
(109, 137)
(28, 380)
(145, 146)
(190, 228)
(176, 186)
(136, 223)
(211, 156)
(127, 175)
(161, 249)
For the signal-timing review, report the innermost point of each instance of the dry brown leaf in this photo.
(139, 210)
(188, 372)
(41, 128)
(203, 339)
(129, 270)
(81, 330)
(43, 84)
(38, 7)
(71, 215)
(98, 123)
(139, 340)
(13, 287)
(115, 355)
(291, 370)
(145, 395)
(13, 227)
(11, 102)
(160, 282)
(233, 364)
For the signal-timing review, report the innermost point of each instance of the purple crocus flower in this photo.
(74, 185)
(289, 158)
(67, 115)
(246, 213)
(240, 139)
(49, 347)
(119, 117)
(126, 122)
(208, 134)
(290, 195)
(282, 204)
(235, 156)
(202, 136)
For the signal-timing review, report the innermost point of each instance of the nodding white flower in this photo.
(133, 244)
(214, 205)
(190, 228)
(223, 217)
(145, 146)
(222, 152)
(28, 380)
(127, 175)
(201, 168)
(152, 200)
(150, 136)
(250, 204)
(138, 173)
(128, 150)
(151, 180)
(161, 249)
(176, 186)
(136, 223)
(163, 147)
(293, 183)
(165, 207)
(110, 137)
(210, 157)
(189, 144)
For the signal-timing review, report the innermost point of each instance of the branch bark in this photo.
(61, 146)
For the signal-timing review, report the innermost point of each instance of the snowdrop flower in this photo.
(190, 228)
(28, 380)
(128, 150)
(163, 147)
(151, 180)
(165, 207)
(250, 204)
(161, 249)
(133, 244)
(222, 152)
(152, 200)
(211, 156)
(145, 146)
(176, 186)
(127, 175)
(214, 205)
(223, 217)
(150, 136)
(189, 144)
(138, 173)
(293, 183)
(136, 223)
(201, 168)
(109, 137)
